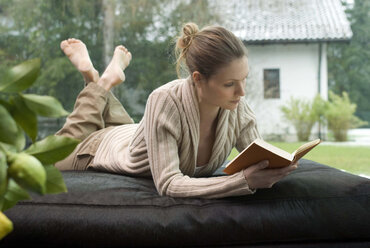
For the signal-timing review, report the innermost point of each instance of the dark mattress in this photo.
(315, 205)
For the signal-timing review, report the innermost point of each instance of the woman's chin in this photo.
(231, 106)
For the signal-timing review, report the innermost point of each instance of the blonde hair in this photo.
(206, 50)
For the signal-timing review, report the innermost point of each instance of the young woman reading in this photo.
(189, 126)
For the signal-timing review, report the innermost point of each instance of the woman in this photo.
(189, 126)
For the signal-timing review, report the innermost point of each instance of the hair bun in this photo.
(189, 30)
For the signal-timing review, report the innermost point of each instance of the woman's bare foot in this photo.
(77, 53)
(114, 75)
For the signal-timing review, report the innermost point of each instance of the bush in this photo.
(303, 114)
(340, 116)
(24, 169)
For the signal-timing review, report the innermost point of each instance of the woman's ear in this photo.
(197, 77)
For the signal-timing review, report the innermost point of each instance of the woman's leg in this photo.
(87, 115)
(95, 107)
(114, 113)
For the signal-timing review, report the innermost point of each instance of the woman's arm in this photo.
(162, 134)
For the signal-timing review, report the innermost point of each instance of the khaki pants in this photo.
(96, 111)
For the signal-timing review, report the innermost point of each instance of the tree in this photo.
(38, 33)
(145, 27)
(348, 68)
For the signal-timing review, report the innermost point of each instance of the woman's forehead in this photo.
(235, 70)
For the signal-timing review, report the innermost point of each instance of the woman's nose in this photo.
(240, 90)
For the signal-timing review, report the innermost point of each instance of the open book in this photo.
(260, 150)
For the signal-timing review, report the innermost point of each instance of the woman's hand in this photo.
(259, 177)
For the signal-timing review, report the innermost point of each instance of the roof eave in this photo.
(296, 41)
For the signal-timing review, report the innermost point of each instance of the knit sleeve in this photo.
(247, 126)
(162, 134)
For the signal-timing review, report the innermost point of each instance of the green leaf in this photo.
(27, 171)
(3, 174)
(54, 180)
(8, 147)
(8, 127)
(25, 117)
(21, 76)
(44, 105)
(19, 139)
(6, 104)
(52, 149)
(6, 225)
(14, 194)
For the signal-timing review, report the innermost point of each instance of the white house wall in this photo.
(324, 73)
(298, 64)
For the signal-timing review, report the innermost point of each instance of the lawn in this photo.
(352, 159)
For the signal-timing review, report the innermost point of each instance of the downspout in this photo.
(319, 81)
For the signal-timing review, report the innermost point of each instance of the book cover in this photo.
(260, 150)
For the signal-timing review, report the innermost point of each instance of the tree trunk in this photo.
(108, 33)
(108, 6)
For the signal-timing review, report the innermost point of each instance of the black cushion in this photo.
(314, 204)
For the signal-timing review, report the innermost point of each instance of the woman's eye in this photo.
(229, 84)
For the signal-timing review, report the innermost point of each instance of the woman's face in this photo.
(225, 88)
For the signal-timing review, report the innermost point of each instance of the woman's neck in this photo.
(208, 114)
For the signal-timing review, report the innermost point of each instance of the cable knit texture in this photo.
(164, 145)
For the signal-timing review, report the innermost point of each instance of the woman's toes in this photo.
(124, 49)
(63, 44)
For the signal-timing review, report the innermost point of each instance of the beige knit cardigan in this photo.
(164, 145)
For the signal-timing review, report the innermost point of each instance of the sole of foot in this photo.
(113, 74)
(77, 53)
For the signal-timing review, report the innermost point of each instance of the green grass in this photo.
(353, 159)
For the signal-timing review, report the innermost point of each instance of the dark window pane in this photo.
(271, 80)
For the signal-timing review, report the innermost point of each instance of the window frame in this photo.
(268, 85)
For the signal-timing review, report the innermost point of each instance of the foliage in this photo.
(303, 115)
(337, 113)
(22, 168)
(348, 67)
(340, 115)
(145, 27)
(29, 34)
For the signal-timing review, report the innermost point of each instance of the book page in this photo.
(274, 149)
(256, 152)
(305, 148)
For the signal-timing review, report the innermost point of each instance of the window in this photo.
(271, 80)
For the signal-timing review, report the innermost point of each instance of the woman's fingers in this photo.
(259, 177)
(283, 172)
(286, 169)
(256, 167)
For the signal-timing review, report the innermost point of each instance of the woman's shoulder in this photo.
(172, 86)
(167, 94)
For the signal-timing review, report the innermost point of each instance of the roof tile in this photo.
(286, 20)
